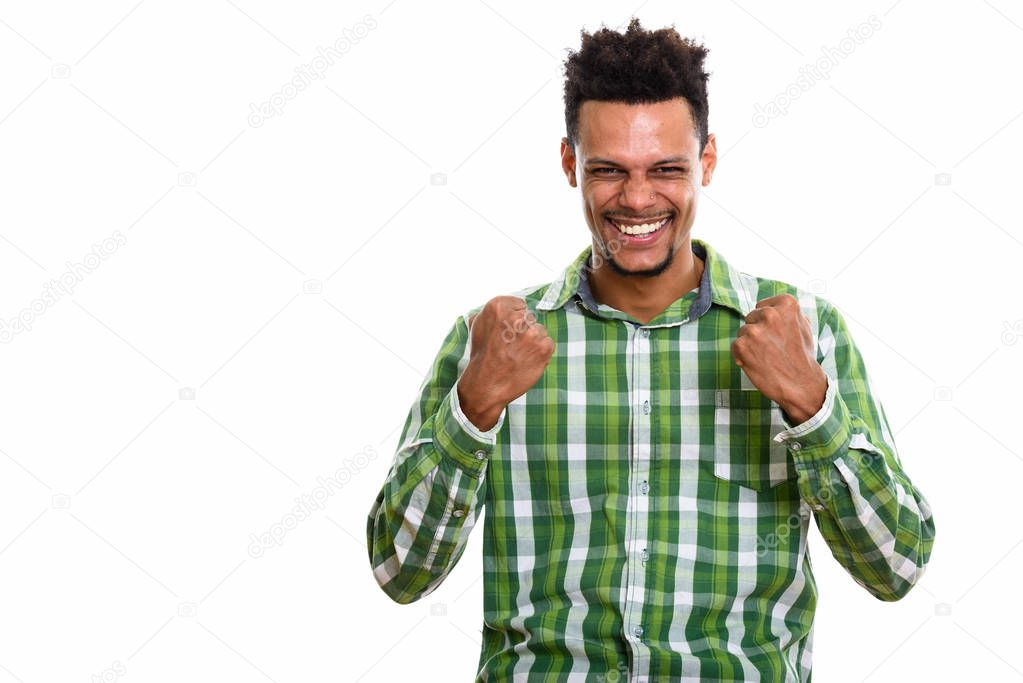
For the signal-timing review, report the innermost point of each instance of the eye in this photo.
(603, 170)
(674, 169)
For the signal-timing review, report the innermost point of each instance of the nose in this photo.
(637, 194)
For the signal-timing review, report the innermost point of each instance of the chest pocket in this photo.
(745, 421)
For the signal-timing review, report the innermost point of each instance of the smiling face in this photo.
(640, 172)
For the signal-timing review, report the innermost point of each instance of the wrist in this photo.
(480, 409)
(808, 403)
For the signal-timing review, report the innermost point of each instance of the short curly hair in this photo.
(639, 66)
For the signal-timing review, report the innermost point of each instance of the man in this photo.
(651, 432)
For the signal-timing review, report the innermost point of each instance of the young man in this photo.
(651, 432)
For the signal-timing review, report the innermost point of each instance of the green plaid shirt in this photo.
(647, 508)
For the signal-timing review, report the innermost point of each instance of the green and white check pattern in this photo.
(647, 508)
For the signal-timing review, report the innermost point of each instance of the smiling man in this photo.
(650, 433)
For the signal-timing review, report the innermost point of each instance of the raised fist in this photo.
(509, 352)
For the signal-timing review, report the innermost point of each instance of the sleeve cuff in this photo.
(460, 439)
(823, 434)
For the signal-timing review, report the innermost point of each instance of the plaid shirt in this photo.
(647, 507)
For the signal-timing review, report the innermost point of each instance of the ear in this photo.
(568, 161)
(709, 160)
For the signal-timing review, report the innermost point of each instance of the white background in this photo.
(279, 290)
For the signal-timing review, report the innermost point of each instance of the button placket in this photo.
(637, 524)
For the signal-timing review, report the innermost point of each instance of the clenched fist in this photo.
(776, 350)
(509, 353)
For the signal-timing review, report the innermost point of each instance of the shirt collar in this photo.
(720, 284)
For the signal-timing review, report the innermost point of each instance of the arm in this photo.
(420, 521)
(876, 523)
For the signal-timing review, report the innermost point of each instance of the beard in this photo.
(646, 272)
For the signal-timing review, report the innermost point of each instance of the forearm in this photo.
(420, 521)
(877, 524)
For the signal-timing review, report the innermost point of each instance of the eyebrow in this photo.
(608, 162)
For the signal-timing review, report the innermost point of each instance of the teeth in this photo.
(641, 229)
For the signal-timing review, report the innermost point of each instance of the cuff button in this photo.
(480, 454)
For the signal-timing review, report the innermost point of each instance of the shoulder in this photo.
(532, 295)
(818, 309)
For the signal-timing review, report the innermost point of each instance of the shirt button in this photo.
(458, 513)
(644, 487)
(645, 555)
(646, 407)
(480, 454)
(637, 631)
(645, 332)
(795, 445)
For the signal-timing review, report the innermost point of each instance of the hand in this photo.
(509, 353)
(775, 348)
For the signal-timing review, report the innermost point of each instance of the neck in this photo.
(645, 297)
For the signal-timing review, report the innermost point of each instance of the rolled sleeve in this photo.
(461, 440)
(823, 435)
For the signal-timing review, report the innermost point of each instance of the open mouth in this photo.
(639, 232)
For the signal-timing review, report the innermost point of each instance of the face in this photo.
(640, 172)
